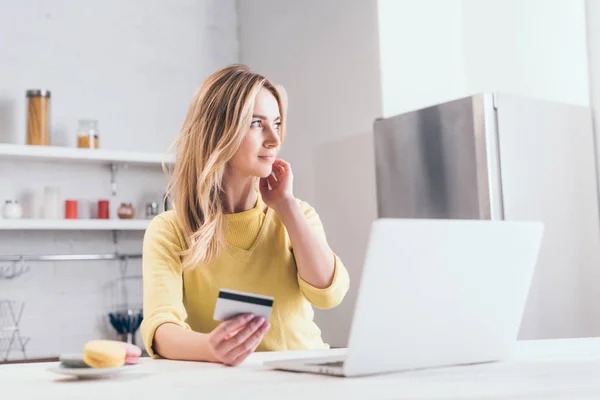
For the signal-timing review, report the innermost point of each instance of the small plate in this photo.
(88, 372)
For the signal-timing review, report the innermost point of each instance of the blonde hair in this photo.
(219, 116)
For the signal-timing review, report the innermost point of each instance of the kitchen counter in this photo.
(557, 369)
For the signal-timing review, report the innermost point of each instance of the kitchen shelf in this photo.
(74, 224)
(89, 156)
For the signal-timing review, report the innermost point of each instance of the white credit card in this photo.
(232, 303)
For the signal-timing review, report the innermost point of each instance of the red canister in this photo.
(103, 209)
(71, 209)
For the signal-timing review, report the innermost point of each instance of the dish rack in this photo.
(10, 332)
(10, 315)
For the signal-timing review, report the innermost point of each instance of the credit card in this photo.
(232, 303)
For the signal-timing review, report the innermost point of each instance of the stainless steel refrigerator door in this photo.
(549, 175)
(439, 162)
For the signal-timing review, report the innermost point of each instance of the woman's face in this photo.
(261, 143)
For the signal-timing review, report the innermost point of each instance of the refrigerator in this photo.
(506, 157)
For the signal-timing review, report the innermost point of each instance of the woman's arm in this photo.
(177, 343)
(230, 343)
(314, 258)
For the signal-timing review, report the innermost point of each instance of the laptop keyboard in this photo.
(331, 364)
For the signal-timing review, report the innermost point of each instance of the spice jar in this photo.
(38, 117)
(126, 211)
(12, 209)
(87, 134)
(71, 209)
(103, 209)
(151, 210)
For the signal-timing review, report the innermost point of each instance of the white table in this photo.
(554, 369)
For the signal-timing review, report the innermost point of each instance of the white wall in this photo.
(422, 55)
(437, 50)
(134, 66)
(593, 45)
(326, 54)
(535, 48)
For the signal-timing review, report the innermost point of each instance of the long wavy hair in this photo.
(219, 116)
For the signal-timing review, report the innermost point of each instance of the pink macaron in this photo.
(132, 351)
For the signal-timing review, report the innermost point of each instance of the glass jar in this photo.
(126, 211)
(38, 117)
(51, 202)
(87, 134)
(151, 210)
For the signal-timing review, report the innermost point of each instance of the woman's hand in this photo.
(234, 340)
(281, 184)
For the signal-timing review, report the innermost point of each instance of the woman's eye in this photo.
(277, 125)
(255, 124)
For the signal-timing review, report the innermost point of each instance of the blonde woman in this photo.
(236, 225)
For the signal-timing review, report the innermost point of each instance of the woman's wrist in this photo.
(287, 209)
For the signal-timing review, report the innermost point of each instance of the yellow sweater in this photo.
(258, 258)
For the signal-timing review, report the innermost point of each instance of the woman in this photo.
(235, 225)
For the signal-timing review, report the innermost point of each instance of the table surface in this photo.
(554, 369)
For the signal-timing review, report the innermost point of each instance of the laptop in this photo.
(435, 293)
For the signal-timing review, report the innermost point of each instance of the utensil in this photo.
(126, 323)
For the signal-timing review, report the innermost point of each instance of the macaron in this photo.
(132, 352)
(104, 354)
(72, 360)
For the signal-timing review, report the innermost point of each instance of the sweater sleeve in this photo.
(333, 295)
(163, 280)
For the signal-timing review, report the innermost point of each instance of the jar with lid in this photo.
(151, 210)
(87, 134)
(126, 211)
(38, 117)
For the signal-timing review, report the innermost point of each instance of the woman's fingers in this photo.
(279, 163)
(279, 171)
(241, 352)
(229, 326)
(240, 337)
(282, 166)
(272, 181)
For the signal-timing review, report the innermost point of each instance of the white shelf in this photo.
(93, 156)
(74, 224)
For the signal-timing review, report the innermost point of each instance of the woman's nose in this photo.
(272, 139)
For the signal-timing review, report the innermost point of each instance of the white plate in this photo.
(89, 372)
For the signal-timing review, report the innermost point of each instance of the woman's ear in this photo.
(284, 96)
